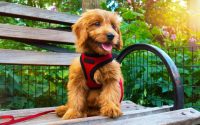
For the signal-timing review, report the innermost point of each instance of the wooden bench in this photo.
(49, 38)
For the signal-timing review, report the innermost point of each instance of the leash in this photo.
(13, 120)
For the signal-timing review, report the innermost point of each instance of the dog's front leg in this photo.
(110, 99)
(76, 99)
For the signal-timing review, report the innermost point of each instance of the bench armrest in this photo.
(171, 68)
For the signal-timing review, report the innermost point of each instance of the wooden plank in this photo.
(100, 120)
(129, 105)
(187, 116)
(49, 47)
(35, 34)
(126, 106)
(51, 117)
(152, 116)
(35, 58)
(21, 11)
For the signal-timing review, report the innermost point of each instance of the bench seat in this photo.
(132, 114)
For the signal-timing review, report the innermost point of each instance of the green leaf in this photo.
(155, 31)
(128, 15)
(188, 91)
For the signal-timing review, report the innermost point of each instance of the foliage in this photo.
(32, 86)
(170, 14)
(143, 84)
(147, 82)
(72, 7)
(134, 28)
(68, 6)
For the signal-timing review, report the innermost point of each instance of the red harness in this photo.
(90, 63)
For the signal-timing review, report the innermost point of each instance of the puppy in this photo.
(95, 85)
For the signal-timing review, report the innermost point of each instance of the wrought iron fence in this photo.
(146, 81)
(23, 86)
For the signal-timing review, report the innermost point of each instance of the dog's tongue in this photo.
(107, 46)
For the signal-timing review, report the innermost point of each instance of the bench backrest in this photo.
(40, 37)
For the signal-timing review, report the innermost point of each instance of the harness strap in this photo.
(13, 120)
(90, 63)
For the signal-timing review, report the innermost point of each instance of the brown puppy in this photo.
(97, 32)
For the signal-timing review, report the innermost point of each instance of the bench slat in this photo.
(35, 58)
(50, 118)
(125, 105)
(21, 11)
(187, 116)
(99, 120)
(35, 34)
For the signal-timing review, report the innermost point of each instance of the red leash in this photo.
(13, 120)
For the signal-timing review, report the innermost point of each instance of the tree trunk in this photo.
(91, 4)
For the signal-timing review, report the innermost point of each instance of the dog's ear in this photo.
(79, 28)
(120, 42)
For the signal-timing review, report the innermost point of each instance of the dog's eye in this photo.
(97, 24)
(113, 26)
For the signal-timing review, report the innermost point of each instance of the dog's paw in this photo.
(72, 114)
(61, 110)
(111, 111)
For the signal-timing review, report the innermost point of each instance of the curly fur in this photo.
(91, 31)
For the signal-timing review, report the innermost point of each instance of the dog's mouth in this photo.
(106, 46)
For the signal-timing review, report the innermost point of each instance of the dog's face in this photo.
(97, 31)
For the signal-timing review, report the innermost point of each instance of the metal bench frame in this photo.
(171, 67)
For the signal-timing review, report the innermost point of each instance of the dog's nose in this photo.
(110, 36)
